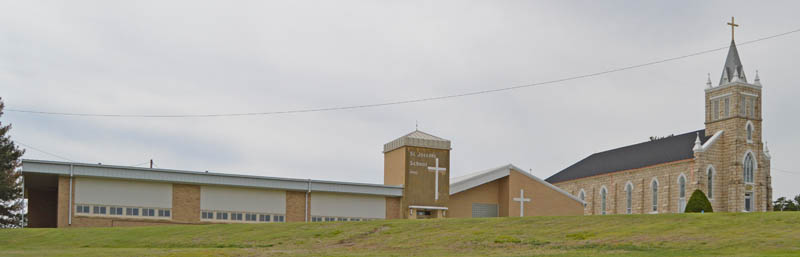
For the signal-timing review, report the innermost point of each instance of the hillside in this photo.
(717, 234)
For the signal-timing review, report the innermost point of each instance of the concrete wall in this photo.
(348, 205)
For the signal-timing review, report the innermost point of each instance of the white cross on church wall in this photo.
(521, 199)
(436, 182)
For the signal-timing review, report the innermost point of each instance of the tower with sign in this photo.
(420, 162)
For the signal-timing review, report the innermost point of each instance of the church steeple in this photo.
(733, 70)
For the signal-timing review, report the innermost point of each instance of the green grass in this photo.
(718, 234)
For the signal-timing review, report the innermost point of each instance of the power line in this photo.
(417, 100)
(43, 151)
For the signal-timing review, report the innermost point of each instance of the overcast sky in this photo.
(188, 57)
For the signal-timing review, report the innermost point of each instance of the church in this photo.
(416, 185)
(727, 159)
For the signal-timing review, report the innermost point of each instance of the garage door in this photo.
(484, 210)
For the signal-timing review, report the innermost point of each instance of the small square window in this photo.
(116, 210)
(236, 216)
(264, 218)
(99, 210)
(82, 209)
(207, 215)
(163, 213)
(278, 218)
(222, 215)
(250, 217)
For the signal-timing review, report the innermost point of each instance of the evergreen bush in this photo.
(698, 203)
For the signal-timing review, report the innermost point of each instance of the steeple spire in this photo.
(733, 70)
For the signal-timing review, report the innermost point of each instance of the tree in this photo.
(698, 203)
(787, 204)
(11, 204)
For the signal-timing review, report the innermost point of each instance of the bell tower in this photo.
(420, 162)
(733, 106)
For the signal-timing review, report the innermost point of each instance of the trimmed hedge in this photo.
(698, 203)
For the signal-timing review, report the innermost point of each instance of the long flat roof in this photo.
(204, 178)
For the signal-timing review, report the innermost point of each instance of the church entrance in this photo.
(426, 212)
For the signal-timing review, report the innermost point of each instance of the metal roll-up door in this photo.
(484, 210)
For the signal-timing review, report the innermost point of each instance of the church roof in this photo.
(419, 139)
(733, 66)
(669, 149)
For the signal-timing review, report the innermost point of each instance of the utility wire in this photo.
(417, 100)
(43, 151)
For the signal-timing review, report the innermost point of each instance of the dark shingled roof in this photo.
(640, 155)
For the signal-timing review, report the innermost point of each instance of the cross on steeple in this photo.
(733, 25)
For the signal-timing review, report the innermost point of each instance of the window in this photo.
(329, 219)
(710, 190)
(99, 210)
(316, 219)
(250, 217)
(748, 201)
(603, 201)
(115, 210)
(749, 165)
(355, 219)
(749, 132)
(132, 211)
(263, 218)
(148, 212)
(629, 198)
(236, 216)
(681, 193)
(742, 108)
(582, 196)
(715, 105)
(654, 187)
(222, 215)
(82, 209)
(727, 107)
(207, 215)
(163, 213)
(278, 218)
(752, 106)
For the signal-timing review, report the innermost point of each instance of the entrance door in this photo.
(748, 201)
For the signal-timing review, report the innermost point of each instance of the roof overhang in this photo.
(480, 178)
(204, 178)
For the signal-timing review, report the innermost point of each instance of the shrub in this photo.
(698, 203)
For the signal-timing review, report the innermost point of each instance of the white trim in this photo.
(749, 124)
(603, 197)
(427, 207)
(719, 96)
(711, 171)
(658, 199)
(749, 94)
(712, 140)
(685, 186)
(462, 183)
(203, 178)
(629, 210)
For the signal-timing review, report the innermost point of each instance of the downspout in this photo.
(22, 221)
(307, 192)
(69, 213)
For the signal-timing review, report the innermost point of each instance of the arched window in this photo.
(654, 188)
(582, 196)
(681, 193)
(629, 198)
(710, 191)
(603, 193)
(749, 165)
(749, 128)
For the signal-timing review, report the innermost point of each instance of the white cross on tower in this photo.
(521, 199)
(437, 170)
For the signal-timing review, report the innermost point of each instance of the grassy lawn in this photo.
(719, 234)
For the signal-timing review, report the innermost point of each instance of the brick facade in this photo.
(725, 157)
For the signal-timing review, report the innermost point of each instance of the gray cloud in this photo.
(190, 57)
